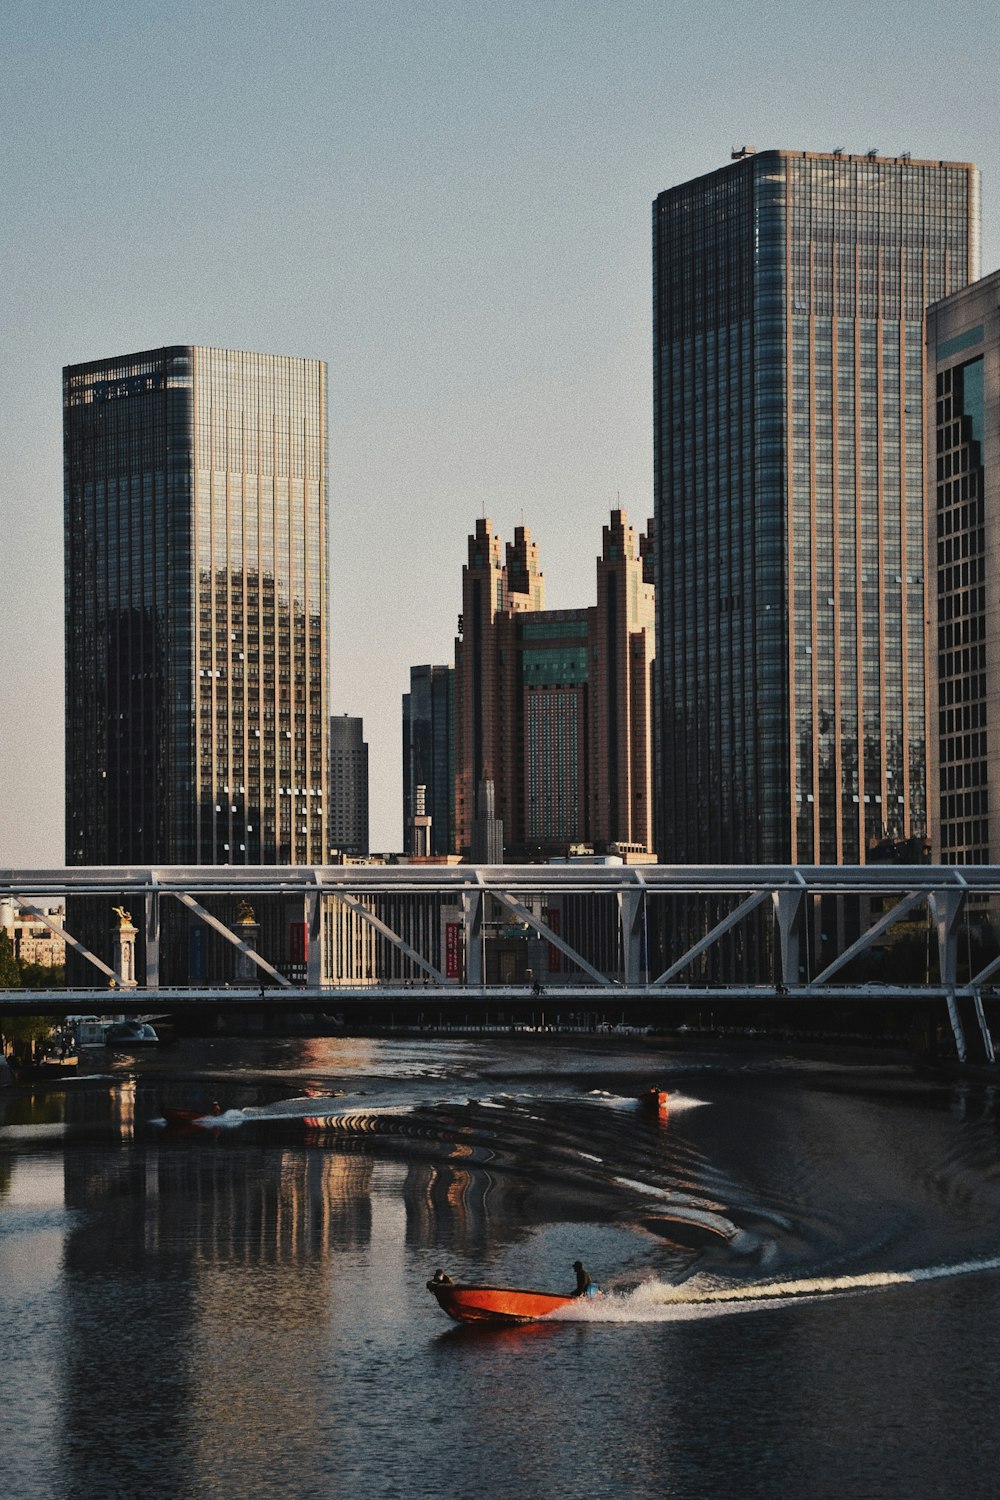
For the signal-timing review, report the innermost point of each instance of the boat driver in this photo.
(585, 1285)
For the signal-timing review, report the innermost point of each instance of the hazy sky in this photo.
(449, 201)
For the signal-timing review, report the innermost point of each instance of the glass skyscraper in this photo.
(347, 793)
(429, 754)
(790, 291)
(196, 535)
(963, 404)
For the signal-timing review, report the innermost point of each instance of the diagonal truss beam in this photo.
(523, 914)
(68, 937)
(719, 930)
(239, 943)
(889, 919)
(984, 1030)
(985, 975)
(407, 949)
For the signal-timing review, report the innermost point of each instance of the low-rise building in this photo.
(31, 940)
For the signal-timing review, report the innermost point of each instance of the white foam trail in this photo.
(684, 1209)
(659, 1302)
(228, 1120)
(676, 1103)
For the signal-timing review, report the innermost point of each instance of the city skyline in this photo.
(399, 197)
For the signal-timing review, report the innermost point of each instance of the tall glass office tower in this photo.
(789, 298)
(429, 754)
(196, 536)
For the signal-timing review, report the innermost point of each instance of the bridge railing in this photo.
(642, 925)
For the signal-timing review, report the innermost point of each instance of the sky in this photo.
(447, 200)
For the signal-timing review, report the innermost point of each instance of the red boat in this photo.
(188, 1116)
(495, 1304)
(657, 1101)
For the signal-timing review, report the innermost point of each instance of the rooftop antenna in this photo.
(871, 155)
(838, 150)
(905, 156)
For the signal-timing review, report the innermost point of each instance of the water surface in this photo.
(799, 1263)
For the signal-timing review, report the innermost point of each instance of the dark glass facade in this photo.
(963, 356)
(961, 611)
(789, 298)
(196, 537)
(347, 812)
(429, 753)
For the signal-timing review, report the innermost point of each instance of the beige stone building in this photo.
(32, 941)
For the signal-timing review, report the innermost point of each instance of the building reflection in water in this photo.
(446, 1208)
(199, 1270)
(190, 1266)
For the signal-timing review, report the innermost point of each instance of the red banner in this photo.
(452, 950)
(298, 942)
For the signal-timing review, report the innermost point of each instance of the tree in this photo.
(10, 969)
(25, 1034)
(42, 976)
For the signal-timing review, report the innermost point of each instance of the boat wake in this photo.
(659, 1302)
(230, 1119)
(676, 1103)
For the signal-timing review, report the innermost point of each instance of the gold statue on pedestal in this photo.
(124, 917)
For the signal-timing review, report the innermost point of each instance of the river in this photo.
(800, 1266)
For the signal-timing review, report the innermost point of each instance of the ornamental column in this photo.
(123, 949)
(247, 929)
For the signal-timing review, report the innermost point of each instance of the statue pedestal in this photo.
(123, 954)
(247, 972)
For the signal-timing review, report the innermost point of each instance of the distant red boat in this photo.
(495, 1304)
(188, 1116)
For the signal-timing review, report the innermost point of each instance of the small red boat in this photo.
(188, 1116)
(495, 1304)
(657, 1101)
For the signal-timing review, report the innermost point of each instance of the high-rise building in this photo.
(487, 828)
(963, 418)
(552, 707)
(348, 794)
(790, 291)
(429, 758)
(196, 538)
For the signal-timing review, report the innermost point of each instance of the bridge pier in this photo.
(152, 939)
(314, 947)
(632, 916)
(788, 910)
(472, 910)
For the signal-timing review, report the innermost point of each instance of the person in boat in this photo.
(585, 1285)
(442, 1278)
